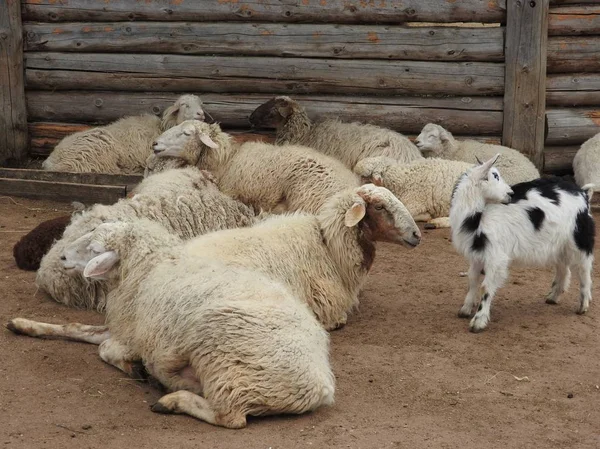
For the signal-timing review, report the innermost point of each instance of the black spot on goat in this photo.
(536, 216)
(585, 232)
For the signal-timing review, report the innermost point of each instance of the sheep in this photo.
(274, 178)
(541, 222)
(186, 202)
(438, 142)
(324, 258)
(123, 146)
(226, 342)
(424, 187)
(347, 142)
(586, 164)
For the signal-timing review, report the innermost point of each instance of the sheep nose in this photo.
(417, 235)
(63, 258)
(154, 143)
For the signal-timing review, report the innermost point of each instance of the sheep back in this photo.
(586, 164)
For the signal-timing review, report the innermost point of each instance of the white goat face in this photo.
(493, 187)
(189, 108)
(173, 141)
(431, 139)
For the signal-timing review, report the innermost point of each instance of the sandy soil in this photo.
(409, 373)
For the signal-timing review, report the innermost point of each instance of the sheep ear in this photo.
(206, 140)
(377, 180)
(171, 111)
(99, 265)
(355, 214)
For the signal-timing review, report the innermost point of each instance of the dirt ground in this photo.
(409, 374)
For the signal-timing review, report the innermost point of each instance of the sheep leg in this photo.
(188, 403)
(494, 278)
(560, 284)
(421, 217)
(474, 276)
(119, 356)
(584, 270)
(438, 223)
(72, 331)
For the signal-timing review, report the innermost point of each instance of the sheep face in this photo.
(175, 141)
(432, 139)
(187, 107)
(273, 113)
(488, 181)
(89, 254)
(384, 217)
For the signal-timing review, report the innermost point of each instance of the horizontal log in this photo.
(349, 11)
(559, 160)
(574, 20)
(264, 39)
(130, 72)
(579, 89)
(73, 178)
(569, 54)
(461, 115)
(571, 126)
(559, 3)
(61, 191)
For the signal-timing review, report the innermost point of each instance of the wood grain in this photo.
(574, 20)
(569, 54)
(579, 89)
(572, 126)
(130, 72)
(559, 160)
(348, 11)
(525, 90)
(13, 118)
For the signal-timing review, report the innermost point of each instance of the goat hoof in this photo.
(159, 408)
(463, 314)
(552, 301)
(581, 311)
(476, 329)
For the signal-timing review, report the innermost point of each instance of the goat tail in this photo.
(589, 189)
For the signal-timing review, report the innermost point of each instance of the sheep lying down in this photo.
(425, 187)
(227, 333)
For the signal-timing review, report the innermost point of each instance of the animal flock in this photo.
(223, 271)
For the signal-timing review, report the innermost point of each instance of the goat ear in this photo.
(355, 214)
(483, 169)
(99, 265)
(478, 161)
(206, 140)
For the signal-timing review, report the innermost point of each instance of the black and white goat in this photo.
(540, 222)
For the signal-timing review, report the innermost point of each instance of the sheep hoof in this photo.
(138, 371)
(550, 300)
(430, 226)
(11, 327)
(160, 408)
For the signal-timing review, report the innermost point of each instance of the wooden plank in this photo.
(572, 126)
(579, 89)
(130, 72)
(574, 20)
(461, 115)
(559, 160)
(569, 54)
(61, 191)
(348, 11)
(13, 118)
(265, 39)
(525, 91)
(72, 178)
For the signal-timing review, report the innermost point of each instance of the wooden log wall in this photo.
(573, 80)
(90, 62)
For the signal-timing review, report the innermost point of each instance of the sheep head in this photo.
(434, 140)
(382, 217)
(185, 141)
(372, 169)
(186, 107)
(273, 113)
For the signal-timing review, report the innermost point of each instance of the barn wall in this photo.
(392, 63)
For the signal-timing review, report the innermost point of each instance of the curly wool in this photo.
(269, 177)
(514, 166)
(186, 202)
(347, 142)
(121, 147)
(586, 164)
(425, 187)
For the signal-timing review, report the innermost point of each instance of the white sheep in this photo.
(226, 342)
(124, 145)
(545, 221)
(347, 142)
(436, 141)
(323, 258)
(186, 202)
(425, 186)
(586, 164)
(269, 177)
